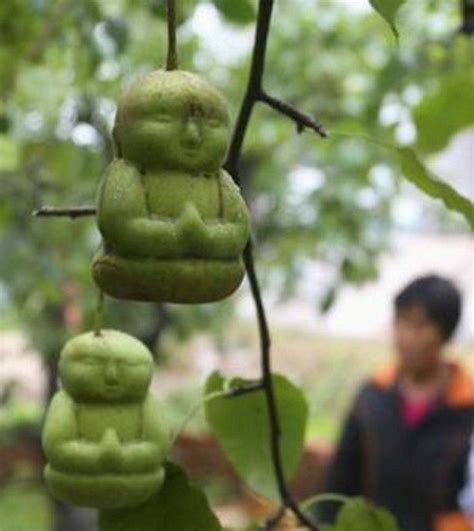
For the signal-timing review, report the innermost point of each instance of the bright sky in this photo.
(207, 24)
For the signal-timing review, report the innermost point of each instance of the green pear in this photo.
(173, 222)
(105, 436)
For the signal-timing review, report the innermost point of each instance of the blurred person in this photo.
(405, 442)
(466, 498)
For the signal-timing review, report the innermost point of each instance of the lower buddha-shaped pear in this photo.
(105, 436)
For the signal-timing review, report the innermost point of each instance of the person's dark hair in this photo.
(439, 297)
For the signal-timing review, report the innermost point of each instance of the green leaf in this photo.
(177, 505)
(359, 515)
(239, 12)
(421, 177)
(445, 111)
(241, 427)
(388, 10)
(417, 173)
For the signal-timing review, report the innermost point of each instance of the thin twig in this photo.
(252, 95)
(192, 412)
(67, 212)
(253, 88)
(172, 56)
(99, 314)
(244, 389)
(271, 522)
(301, 119)
(275, 443)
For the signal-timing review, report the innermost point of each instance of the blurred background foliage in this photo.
(63, 64)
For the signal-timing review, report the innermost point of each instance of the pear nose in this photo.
(111, 373)
(191, 134)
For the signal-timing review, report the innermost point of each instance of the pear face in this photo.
(112, 367)
(172, 120)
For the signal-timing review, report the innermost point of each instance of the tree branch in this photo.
(244, 389)
(66, 212)
(274, 519)
(253, 94)
(172, 55)
(301, 119)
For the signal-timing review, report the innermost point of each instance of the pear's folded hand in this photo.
(192, 229)
(110, 450)
(76, 456)
(141, 456)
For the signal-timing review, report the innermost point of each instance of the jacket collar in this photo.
(459, 391)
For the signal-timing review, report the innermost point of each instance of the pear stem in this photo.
(99, 314)
(172, 57)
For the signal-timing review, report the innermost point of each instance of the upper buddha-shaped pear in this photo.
(173, 222)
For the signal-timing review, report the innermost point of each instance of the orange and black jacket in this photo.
(416, 472)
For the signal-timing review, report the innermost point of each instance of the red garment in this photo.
(414, 411)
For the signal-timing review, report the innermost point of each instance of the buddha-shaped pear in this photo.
(105, 436)
(173, 222)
